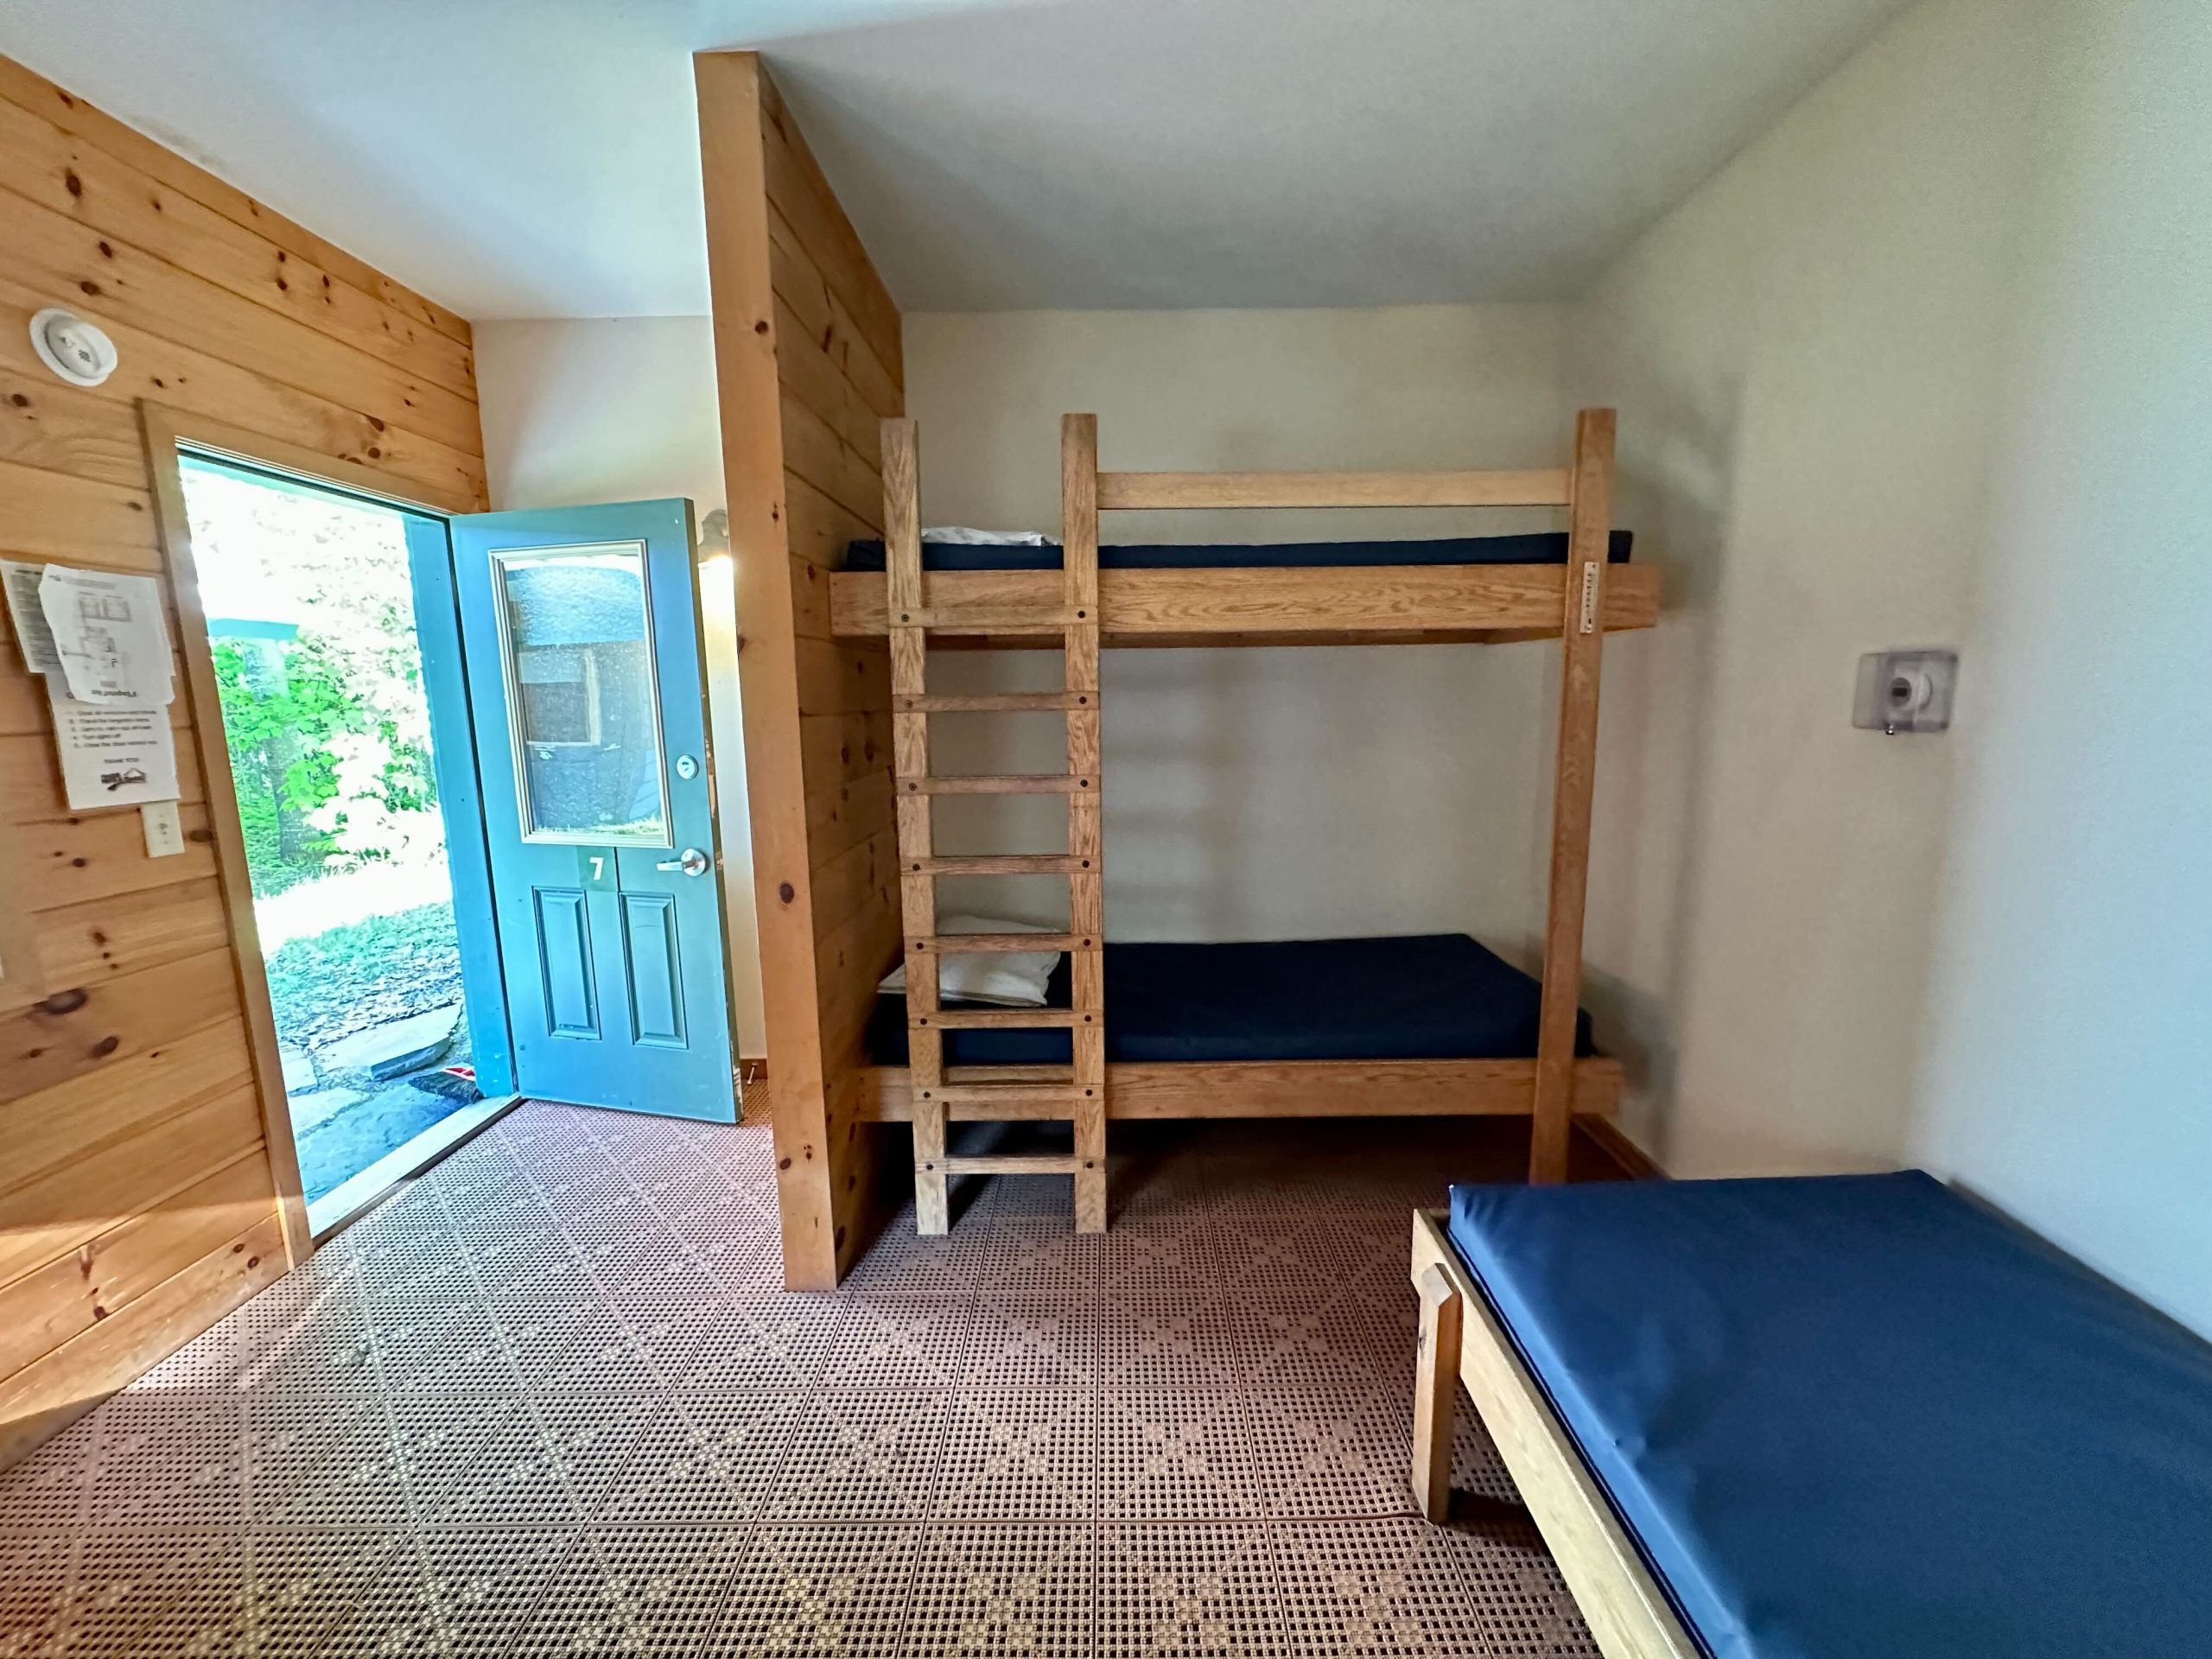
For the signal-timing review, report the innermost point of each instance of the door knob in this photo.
(691, 862)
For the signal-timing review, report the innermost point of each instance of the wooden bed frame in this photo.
(1079, 607)
(1462, 1341)
(808, 367)
(1278, 1088)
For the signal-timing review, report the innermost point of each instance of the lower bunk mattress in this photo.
(1437, 997)
(1863, 1415)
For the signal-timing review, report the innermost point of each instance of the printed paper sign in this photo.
(32, 635)
(112, 756)
(109, 634)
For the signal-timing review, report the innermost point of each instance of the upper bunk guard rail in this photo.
(1327, 605)
(1163, 491)
(1080, 1096)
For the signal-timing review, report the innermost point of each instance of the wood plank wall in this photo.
(808, 362)
(136, 1205)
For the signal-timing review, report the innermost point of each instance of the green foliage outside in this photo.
(324, 769)
(329, 729)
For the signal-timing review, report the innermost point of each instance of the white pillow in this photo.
(961, 535)
(1013, 979)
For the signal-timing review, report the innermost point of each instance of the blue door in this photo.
(580, 632)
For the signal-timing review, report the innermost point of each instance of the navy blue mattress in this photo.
(1861, 1416)
(1438, 996)
(1543, 548)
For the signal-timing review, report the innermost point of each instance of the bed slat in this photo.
(956, 944)
(1006, 1019)
(993, 702)
(1049, 783)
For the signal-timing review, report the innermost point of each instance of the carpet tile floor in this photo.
(551, 1399)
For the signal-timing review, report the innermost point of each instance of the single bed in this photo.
(1536, 548)
(1824, 1418)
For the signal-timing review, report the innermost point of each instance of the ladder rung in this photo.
(1015, 1163)
(960, 945)
(1010, 1096)
(1003, 864)
(1005, 1019)
(1063, 1075)
(1038, 782)
(995, 703)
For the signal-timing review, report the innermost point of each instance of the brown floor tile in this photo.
(551, 1398)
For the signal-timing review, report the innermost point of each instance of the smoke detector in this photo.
(79, 352)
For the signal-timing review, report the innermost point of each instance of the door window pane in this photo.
(577, 630)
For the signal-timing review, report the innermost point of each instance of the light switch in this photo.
(164, 833)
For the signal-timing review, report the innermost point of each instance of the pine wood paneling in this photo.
(103, 938)
(63, 429)
(84, 181)
(54, 252)
(99, 855)
(74, 1122)
(67, 1208)
(137, 1201)
(183, 376)
(78, 1031)
(157, 164)
(72, 1294)
(808, 362)
(49, 1393)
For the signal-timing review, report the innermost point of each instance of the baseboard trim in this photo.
(1607, 1139)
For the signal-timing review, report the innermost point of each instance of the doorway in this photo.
(316, 629)
(462, 801)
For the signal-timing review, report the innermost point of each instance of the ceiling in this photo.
(539, 158)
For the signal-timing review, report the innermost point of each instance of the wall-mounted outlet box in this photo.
(1905, 691)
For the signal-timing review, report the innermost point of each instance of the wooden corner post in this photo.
(1086, 839)
(910, 742)
(1589, 509)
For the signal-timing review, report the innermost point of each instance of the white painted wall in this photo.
(623, 410)
(1927, 364)
(1805, 355)
(2065, 1071)
(1277, 793)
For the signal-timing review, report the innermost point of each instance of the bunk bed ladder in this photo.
(1076, 1093)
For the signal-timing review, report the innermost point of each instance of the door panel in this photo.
(564, 951)
(656, 968)
(584, 669)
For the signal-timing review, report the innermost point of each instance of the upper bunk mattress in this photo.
(1438, 996)
(1543, 548)
(1860, 1416)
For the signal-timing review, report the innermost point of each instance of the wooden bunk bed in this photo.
(808, 367)
(1079, 608)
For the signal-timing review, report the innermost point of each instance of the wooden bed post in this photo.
(910, 740)
(1436, 1373)
(1086, 843)
(1590, 506)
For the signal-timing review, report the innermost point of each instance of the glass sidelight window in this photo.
(576, 646)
